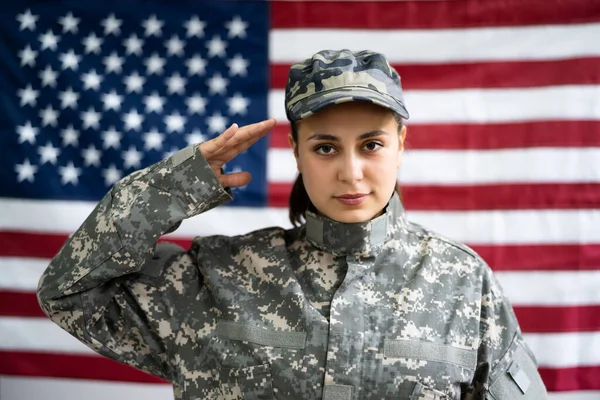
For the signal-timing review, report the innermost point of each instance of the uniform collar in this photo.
(362, 238)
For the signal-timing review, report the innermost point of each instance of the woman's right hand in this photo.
(227, 145)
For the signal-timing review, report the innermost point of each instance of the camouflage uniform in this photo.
(384, 309)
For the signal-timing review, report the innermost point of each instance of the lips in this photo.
(352, 199)
(352, 196)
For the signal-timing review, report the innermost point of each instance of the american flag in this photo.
(503, 148)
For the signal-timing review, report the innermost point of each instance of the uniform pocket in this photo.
(422, 392)
(249, 383)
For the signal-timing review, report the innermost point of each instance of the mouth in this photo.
(352, 199)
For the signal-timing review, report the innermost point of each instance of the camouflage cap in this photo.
(339, 76)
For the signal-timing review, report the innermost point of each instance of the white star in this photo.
(155, 64)
(112, 101)
(134, 82)
(27, 20)
(49, 116)
(28, 56)
(70, 174)
(153, 140)
(91, 118)
(91, 80)
(91, 156)
(238, 66)
(175, 122)
(132, 158)
(25, 171)
(133, 120)
(216, 47)
(92, 43)
(196, 104)
(238, 104)
(49, 40)
(70, 137)
(217, 84)
(133, 45)
(111, 175)
(196, 137)
(48, 153)
(113, 63)
(196, 65)
(28, 96)
(111, 138)
(195, 27)
(111, 25)
(68, 98)
(27, 133)
(70, 60)
(237, 28)
(69, 23)
(153, 26)
(154, 103)
(217, 123)
(48, 77)
(176, 84)
(175, 46)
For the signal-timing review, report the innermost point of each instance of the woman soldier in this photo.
(354, 303)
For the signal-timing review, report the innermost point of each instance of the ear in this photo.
(401, 137)
(294, 146)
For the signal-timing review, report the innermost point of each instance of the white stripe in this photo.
(468, 167)
(582, 395)
(555, 103)
(565, 350)
(547, 42)
(528, 288)
(37, 334)
(473, 227)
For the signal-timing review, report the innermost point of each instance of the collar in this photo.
(360, 238)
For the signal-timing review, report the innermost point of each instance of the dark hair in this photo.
(299, 201)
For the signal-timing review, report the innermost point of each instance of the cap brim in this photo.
(318, 101)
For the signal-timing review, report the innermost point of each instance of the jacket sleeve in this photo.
(507, 369)
(111, 286)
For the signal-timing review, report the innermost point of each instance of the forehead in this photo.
(351, 114)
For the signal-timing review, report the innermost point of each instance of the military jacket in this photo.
(384, 309)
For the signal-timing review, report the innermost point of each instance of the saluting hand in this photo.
(227, 145)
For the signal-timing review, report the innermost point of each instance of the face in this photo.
(348, 155)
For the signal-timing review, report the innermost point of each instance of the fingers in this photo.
(235, 179)
(252, 133)
(213, 146)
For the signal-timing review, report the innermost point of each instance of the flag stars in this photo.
(133, 45)
(70, 136)
(154, 103)
(217, 84)
(132, 158)
(27, 20)
(196, 65)
(69, 23)
(236, 28)
(49, 41)
(70, 174)
(70, 60)
(195, 27)
(216, 47)
(28, 96)
(49, 116)
(25, 171)
(91, 80)
(134, 82)
(175, 46)
(48, 77)
(112, 101)
(176, 84)
(153, 26)
(196, 104)
(238, 104)
(153, 140)
(111, 175)
(113, 63)
(217, 123)
(91, 119)
(175, 122)
(133, 120)
(27, 133)
(112, 25)
(196, 137)
(91, 156)
(28, 56)
(68, 98)
(111, 138)
(238, 66)
(155, 64)
(48, 154)
(92, 44)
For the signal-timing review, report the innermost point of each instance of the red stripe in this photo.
(430, 14)
(521, 74)
(532, 319)
(485, 136)
(555, 257)
(482, 197)
(558, 319)
(570, 379)
(56, 365)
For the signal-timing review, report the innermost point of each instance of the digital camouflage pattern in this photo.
(378, 310)
(333, 77)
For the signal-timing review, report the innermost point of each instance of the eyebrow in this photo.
(367, 135)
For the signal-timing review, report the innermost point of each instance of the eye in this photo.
(372, 146)
(324, 149)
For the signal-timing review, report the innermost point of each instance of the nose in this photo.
(350, 169)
